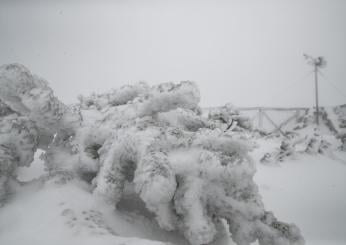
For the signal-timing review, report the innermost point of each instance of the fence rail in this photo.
(262, 114)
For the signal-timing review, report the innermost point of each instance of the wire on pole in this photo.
(332, 85)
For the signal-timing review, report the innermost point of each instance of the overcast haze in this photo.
(247, 52)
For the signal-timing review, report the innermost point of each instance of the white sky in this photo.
(247, 52)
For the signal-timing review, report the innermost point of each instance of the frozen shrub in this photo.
(343, 142)
(284, 152)
(310, 141)
(116, 97)
(316, 144)
(190, 175)
(31, 96)
(18, 143)
(229, 118)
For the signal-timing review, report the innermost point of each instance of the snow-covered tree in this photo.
(189, 173)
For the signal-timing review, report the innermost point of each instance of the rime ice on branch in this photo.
(188, 172)
(18, 143)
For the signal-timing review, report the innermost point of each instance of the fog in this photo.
(246, 52)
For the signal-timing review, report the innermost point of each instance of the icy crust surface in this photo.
(192, 175)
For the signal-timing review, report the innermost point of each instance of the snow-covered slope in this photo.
(68, 214)
(140, 165)
(309, 191)
(58, 213)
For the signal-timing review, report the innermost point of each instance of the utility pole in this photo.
(317, 63)
(316, 95)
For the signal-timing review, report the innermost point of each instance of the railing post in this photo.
(297, 115)
(260, 118)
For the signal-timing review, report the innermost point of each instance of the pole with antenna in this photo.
(317, 63)
(316, 95)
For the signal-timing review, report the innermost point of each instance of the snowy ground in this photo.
(309, 191)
